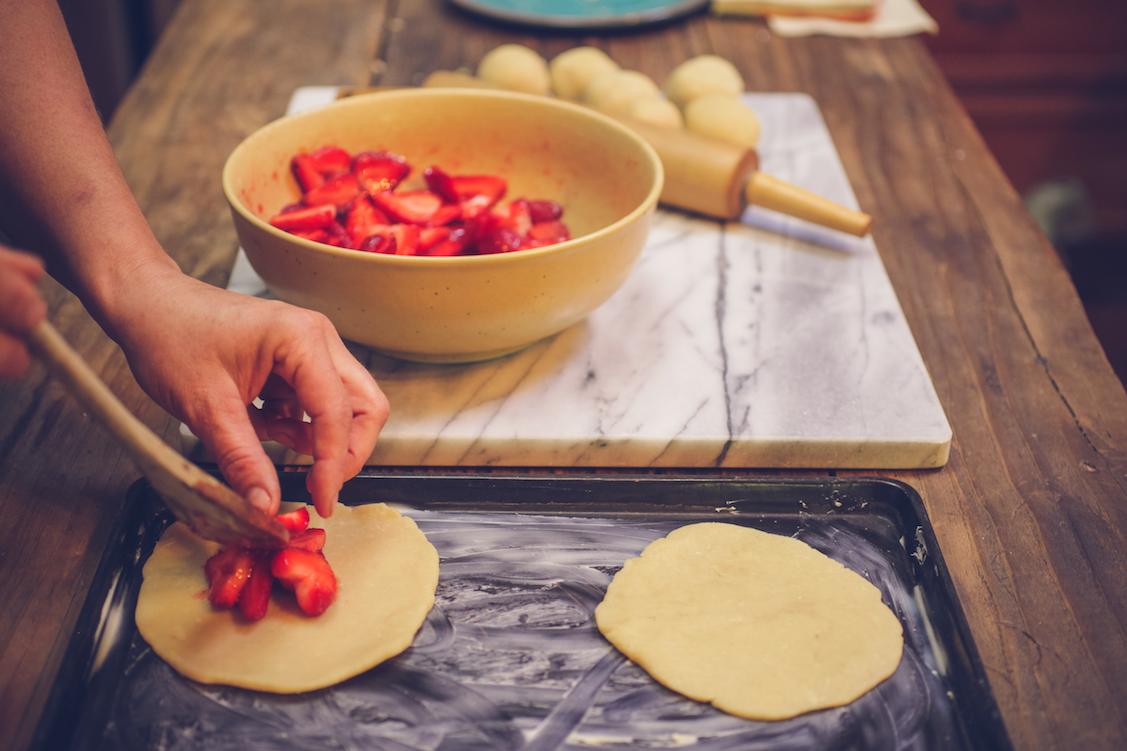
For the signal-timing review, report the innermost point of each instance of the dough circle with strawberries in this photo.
(386, 571)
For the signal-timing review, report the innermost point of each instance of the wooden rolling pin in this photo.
(712, 177)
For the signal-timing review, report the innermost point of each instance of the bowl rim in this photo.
(645, 205)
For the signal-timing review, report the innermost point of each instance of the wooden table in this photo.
(1031, 512)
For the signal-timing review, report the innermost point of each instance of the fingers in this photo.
(303, 359)
(225, 429)
(29, 266)
(369, 405)
(15, 360)
(21, 306)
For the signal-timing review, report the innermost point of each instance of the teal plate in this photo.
(582, 14)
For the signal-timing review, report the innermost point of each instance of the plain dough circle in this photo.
(656, 111)
(516, 68)
(762, 626)
(725, 118)
(386, 571)
(704, 74)
(614, 92)
(573, 69)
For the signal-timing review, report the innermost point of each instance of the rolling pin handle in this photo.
(779, 195)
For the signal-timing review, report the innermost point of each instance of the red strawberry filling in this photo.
(354, 202)
(245, 578)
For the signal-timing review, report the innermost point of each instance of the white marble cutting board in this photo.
(765, 343)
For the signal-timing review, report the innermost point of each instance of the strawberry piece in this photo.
(364, 220)
(227, 574)
(337, 235)
(412, 207)
(338, 191)
(289, 208)
(316, 235)
(296, 520)
(312, 539)
(454, 245)
(519, 217)
(379, 171)
(309, 576)
(305, 171)
(431, 236)
(331, 161)
(500, 240)
(544, 211)
(254, 600)
(549, 232)
(441, 183)
(478, 193)
(314, 217)
(378, 244)
(451, 212)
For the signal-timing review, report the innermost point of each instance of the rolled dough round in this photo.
(386, 571)
(759, 625)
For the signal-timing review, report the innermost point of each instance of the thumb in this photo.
(225, 429)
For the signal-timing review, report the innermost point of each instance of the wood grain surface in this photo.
(1031, 511)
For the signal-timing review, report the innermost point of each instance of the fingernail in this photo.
(260, 499)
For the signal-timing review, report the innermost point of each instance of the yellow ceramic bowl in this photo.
(463, 308)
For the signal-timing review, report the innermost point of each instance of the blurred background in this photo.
(1045, 82)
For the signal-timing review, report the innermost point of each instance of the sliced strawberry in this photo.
(451, 212)
(544, 211)
(227, 574)
(312, 539)
(518, 218)
(412, 207)
(500, 240)
(331, 160)
(289, 208)
(454, 245)
(478, 193)
(338, 191)
(296, 520)
(254, 600)
(363, 220)
(309, 576)
(441, 183)
(549, 232)
(305, 171)
(316, 235)
(378, 244)
(431, 236)
(337, 235)
(314, 217)
(379, 171)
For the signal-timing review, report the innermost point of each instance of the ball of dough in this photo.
(613, 93)
(656, 111)
(725, 118)
(572, 70)
(515, 67)
(698, 76)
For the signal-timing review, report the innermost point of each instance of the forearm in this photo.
(62, 192)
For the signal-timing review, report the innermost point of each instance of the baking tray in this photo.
(510, 659)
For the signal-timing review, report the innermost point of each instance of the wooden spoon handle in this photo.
(143, 444)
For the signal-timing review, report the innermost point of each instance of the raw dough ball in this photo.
(656, 111)
(386, 571)
(762, 626)
(572, 70)
(515, 67)
(615, 92)
(725, 118)
(706, 74)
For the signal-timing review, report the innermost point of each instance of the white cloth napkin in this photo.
(893, 18)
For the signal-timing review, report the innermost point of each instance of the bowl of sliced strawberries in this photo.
(444, 225)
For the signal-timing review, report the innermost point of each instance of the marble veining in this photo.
(764, 342)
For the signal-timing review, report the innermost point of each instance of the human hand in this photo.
(21, 309)
(204, 354)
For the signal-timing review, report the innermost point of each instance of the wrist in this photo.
(117, 295)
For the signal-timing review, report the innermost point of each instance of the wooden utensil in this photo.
(196, 498)
(713, 177)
